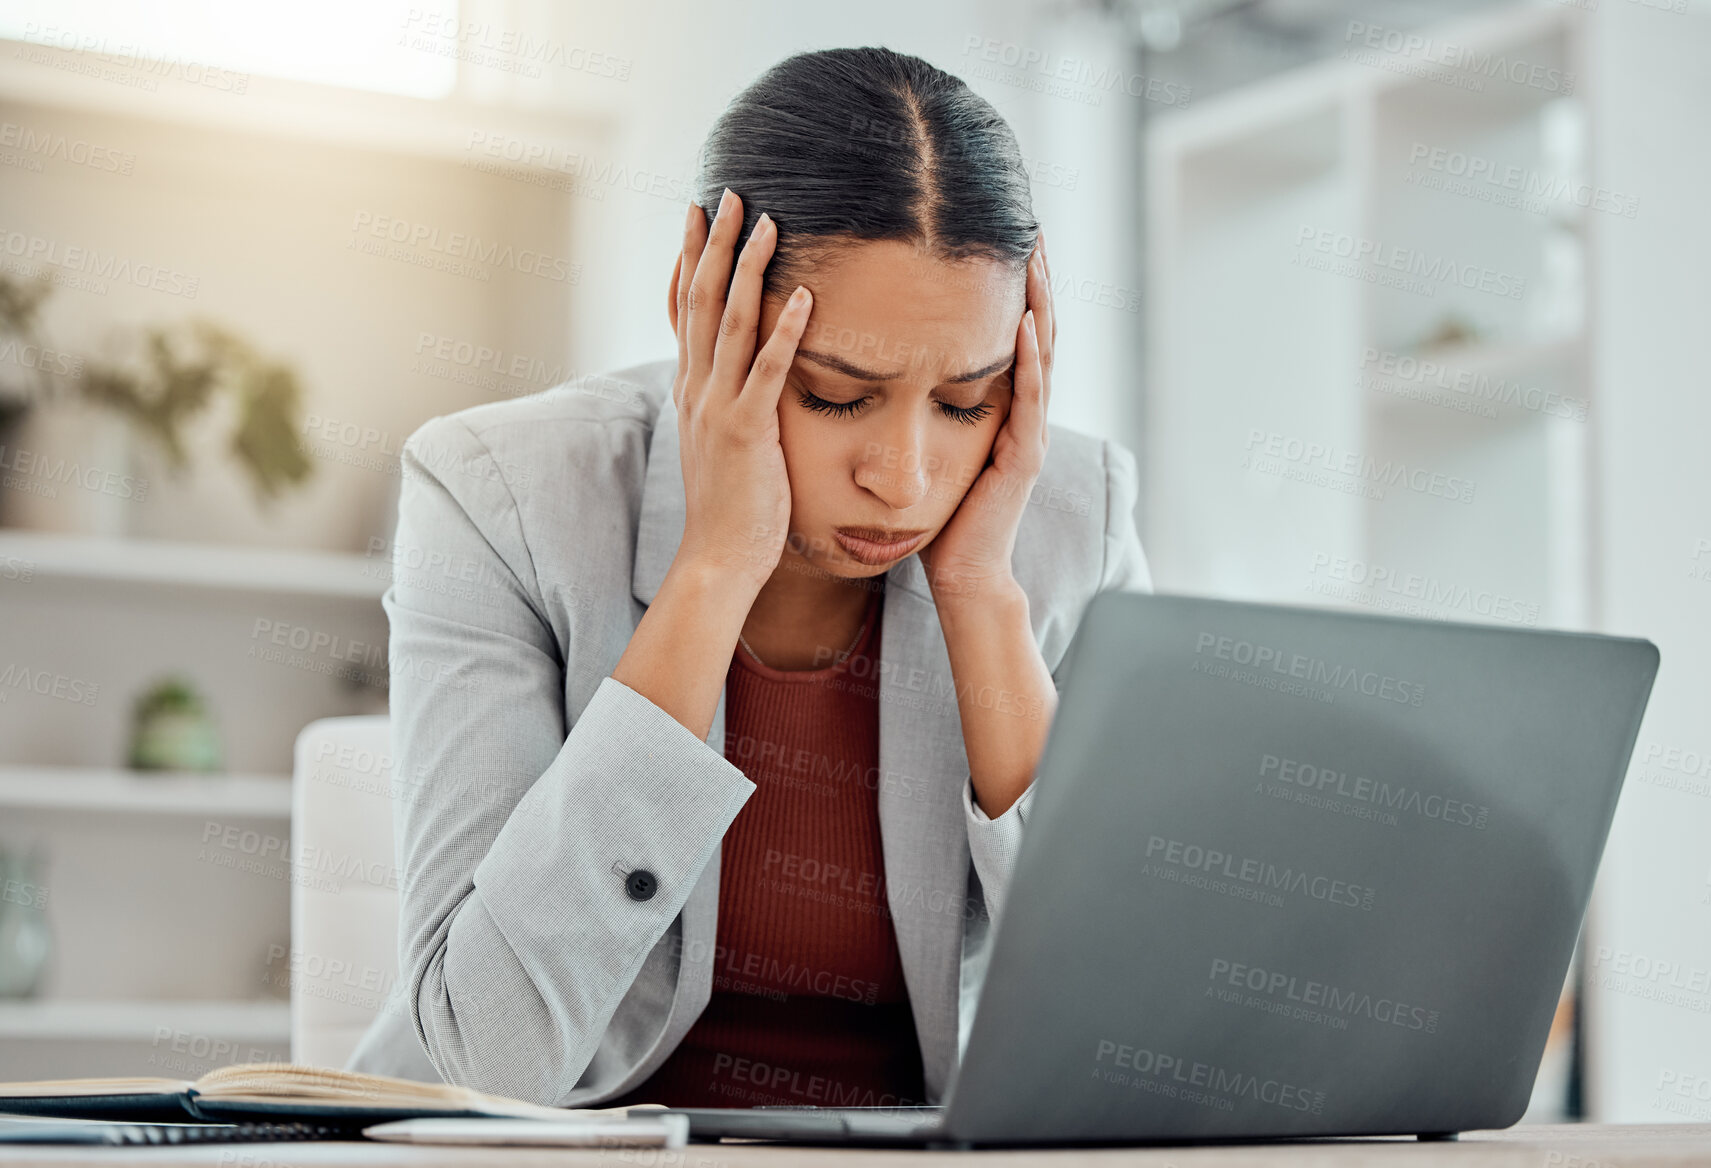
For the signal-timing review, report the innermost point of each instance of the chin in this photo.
(853, 571)
(847, 569)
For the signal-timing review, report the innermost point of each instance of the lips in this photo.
(885, 535)
(878, 545)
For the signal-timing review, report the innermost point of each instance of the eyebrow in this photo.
(860, 374)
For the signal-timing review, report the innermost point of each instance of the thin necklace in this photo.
(839, 658)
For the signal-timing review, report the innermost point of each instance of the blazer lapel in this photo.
(660, 526)
(922, 768)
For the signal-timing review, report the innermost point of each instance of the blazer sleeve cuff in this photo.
(993, 844)
(631, 791)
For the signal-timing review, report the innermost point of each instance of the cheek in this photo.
(806, 444)
(962, 455)
(818, 458)
(967, 450)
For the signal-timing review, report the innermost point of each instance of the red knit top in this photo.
(809, 1004)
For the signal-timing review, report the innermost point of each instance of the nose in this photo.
(894, 466)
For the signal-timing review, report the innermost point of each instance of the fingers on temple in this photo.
(694, 238)
(1028, 402)
(766, 379)
(1040, 300)
(712, 275)
(674, 304)
(741, 318)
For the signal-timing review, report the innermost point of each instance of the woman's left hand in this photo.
(972, 552)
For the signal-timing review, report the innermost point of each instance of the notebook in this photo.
(271, 1092)
(46, 1130)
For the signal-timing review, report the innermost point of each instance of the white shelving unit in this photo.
(287, 108)
(163, 919)
(71, 558)
(167, 894)
(1332, 299)
(124, 792)
(117, 1021)
(1331, 305)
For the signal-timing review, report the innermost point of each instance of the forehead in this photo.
(892, 307)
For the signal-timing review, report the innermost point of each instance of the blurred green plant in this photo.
(181, 369)
(171, 729)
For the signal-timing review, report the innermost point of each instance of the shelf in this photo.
(1246, 114)
(432, 128)
(146, 792)
(1500, 356)
(1271, 158)
(95, 1020)
(216, 567)
(1329, 354)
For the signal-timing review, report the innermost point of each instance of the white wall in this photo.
(1650, 953)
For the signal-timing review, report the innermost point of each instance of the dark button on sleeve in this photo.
(641, 884)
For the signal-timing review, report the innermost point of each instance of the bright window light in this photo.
(389, 46)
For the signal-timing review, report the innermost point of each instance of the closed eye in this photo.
(967, 415)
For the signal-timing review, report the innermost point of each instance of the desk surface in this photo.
(1538, 1146)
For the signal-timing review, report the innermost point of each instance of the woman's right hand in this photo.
(736, 492)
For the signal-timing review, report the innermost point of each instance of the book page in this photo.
(296, 1082)
(49, 1088)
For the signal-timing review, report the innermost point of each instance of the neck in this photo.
(804, 617)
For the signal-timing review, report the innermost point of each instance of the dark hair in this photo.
(848, 145)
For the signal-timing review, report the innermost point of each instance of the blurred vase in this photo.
(67, 466)
(25, 940)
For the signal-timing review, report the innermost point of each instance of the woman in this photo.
(718, 752)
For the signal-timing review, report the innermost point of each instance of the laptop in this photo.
(1289, 873)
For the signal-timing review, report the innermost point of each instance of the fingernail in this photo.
(1028, 318)
(798, 297)
(765, 220)
(725, 201)
(689, 219)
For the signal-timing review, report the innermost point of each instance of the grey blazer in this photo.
(532, 534)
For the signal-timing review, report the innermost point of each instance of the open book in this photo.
(270, 1091)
